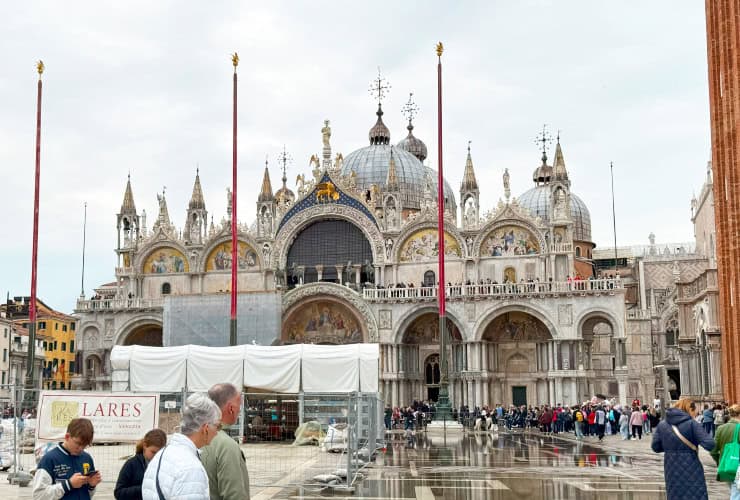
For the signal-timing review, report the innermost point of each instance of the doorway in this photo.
(519, 395)
(432, 394)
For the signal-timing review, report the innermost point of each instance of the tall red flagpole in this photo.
(30, 383)
(234, 242)
(443, 404)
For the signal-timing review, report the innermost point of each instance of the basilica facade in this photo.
(351, 256)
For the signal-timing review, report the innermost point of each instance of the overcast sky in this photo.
(145, 88)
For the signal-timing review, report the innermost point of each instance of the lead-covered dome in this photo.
(537, 201)
(371, 165)
(413, 144)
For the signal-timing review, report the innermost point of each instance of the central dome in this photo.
(371, 165)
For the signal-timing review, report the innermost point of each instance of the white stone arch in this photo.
(491, 226)
(99, 360)
(158, 245)
(243, 237)
(129, 326)
(318, 213)
(594, 312)
(346, 295)
(412, 314)
(412, 228)
(534, 311)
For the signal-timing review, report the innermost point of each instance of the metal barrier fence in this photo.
(340, 434)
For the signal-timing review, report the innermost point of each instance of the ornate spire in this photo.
(559, 169)
(469, 182)
(391, 181)
(410, 143)
(128, 198)
(266, 192)
(196, 199)
(379, 134)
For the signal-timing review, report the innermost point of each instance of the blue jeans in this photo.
(579, 430)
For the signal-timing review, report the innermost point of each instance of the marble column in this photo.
(319, 271)
(551, 391)
(574, 396)
(340, 273)
(358, 268)
(484, 365)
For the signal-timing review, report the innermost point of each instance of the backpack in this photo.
(579, 416)
(729, 459)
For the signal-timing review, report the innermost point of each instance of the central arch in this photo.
(322, 246)
(517, 344)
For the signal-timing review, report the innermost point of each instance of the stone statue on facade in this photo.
(507, 187)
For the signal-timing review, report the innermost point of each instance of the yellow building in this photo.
(57, 332)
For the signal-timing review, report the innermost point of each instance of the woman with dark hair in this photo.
(128, 486)
(679, 437)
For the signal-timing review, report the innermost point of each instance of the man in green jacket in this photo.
(723, 436)
(223, 459)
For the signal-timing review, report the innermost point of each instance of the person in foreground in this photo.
(223, 459)
(679, 437)
(176, 471)
(67, 471)
(128, 486)
(724, 434)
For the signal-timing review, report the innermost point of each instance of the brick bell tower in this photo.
(723, 56)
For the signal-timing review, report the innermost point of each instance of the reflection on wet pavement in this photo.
(506, 466)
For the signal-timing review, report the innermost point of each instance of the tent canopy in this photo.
(284, 369)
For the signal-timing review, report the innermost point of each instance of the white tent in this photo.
(284, 369)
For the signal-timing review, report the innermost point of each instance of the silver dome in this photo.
(371, 165)
(537, 200)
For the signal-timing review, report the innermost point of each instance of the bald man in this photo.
(223, 459)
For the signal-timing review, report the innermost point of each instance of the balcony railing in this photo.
(582, 287)
(118, 304)
(639, 314)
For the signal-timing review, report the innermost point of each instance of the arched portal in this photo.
(324, 249)
(323, 320)
(145, 334)
(519, 352)
(421, 342)
(603, 353)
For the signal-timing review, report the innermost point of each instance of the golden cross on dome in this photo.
(544, 138)
(410, 109)
(379, 87)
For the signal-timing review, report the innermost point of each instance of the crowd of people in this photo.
(490, 286)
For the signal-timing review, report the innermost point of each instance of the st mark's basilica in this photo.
(350, 256)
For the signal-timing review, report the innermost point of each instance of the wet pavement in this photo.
(514, 465)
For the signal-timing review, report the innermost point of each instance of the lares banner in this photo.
(116, 417)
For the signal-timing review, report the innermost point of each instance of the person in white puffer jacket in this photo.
(175, 472)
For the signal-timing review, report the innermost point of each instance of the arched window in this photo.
(578, 251)
(166, 289)
(429, 278)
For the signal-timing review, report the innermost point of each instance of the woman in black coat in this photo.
(128, 486)
(682, 469)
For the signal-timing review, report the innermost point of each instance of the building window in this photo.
(64, 328)
(42, 325)
(64, 347)
(5, 355)
(166, 289)
(5, 334)
(71, 346)
(56, 326)
(72, 327)
(53, 384)
(3, 378)
(578, 251)
(72, 367)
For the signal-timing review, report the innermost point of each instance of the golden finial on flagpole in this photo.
(440, 49)
(40, 67)
(235, 60)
